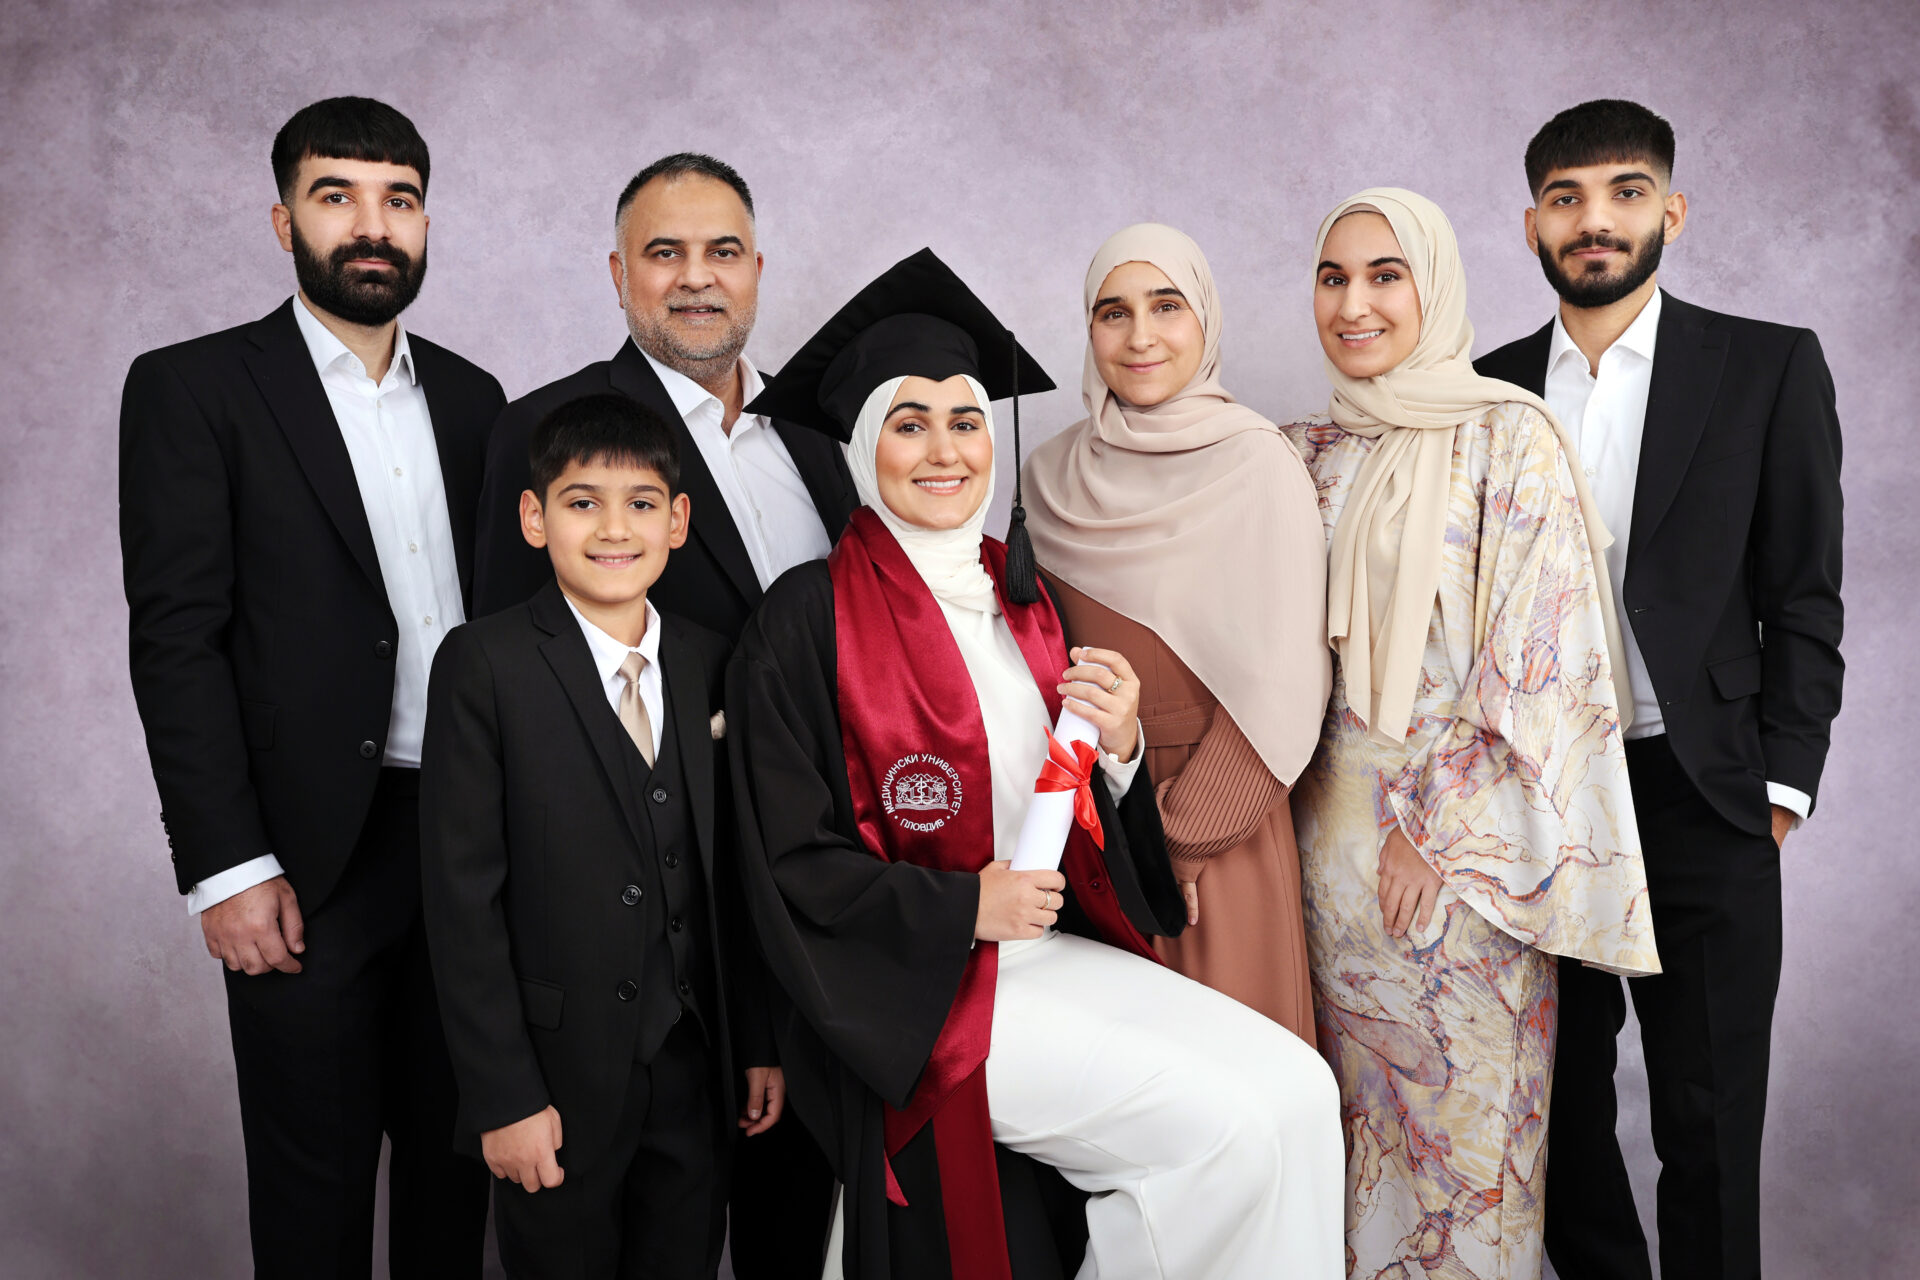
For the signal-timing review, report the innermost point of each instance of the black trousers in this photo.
(1705, 1022)
(782, 1203)
(653, 1204)
(349, 1048)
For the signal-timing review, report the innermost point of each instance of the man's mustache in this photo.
(364, 249)
(1596, 241)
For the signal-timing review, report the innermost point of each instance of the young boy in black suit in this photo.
(578, 909)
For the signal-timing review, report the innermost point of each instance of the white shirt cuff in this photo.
(1799, 802)
(1119, 773)
(217, 888)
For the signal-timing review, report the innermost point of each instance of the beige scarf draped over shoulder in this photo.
(1384, 574)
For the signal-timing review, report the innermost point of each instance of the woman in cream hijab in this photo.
(1180, 526)
(1467, 817)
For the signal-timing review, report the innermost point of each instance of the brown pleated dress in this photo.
(1228, 822)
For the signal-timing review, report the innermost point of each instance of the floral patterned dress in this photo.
(1512, 783)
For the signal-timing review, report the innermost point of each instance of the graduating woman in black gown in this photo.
(945, 1016)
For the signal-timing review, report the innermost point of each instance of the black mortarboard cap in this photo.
(918, 319)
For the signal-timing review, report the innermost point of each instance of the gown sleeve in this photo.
(870, 953)
(1519, 798)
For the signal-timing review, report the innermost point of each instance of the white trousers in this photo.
(1208, 1136)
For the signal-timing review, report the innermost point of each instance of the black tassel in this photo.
(1023, 576)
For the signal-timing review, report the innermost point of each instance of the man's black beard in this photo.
(355, 294)
(1604, 289)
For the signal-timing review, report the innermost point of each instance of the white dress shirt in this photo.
(1606, 415)
(396, 464)
(609, 653)
(762, 488)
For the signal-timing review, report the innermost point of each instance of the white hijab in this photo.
(1011, 707)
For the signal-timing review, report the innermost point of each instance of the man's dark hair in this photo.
(346, 129)
(1597, 132)
(677, 165)
(605, 428)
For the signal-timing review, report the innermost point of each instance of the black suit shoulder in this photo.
(537, 403)
(794, 617)
(443, 362)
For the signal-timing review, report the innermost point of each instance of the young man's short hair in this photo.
(678, 165)
(607, 429)
(347, 129)
(1599, 132)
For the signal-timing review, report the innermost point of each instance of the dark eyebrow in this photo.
(1168, 292)
(1389, 262)
(913, 405)
(1559, 183)
(583, 487)
(675, 242)
(1634, 176)
(405, 189)
(1107, 302)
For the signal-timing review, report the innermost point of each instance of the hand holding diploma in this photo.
(1100, 703)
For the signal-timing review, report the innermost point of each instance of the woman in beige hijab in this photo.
(1466, 817)
(1180, 526)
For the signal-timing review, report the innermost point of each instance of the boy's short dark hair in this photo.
(604, 428)
(347, 129)
(677, 165)
(1606, 129)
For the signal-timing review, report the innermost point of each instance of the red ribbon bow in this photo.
(1066, 770)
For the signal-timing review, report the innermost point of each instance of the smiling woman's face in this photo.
(934, 458)
(1365, 307)
(1147, 341)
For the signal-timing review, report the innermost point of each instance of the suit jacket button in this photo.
(368, 750)
(626, 990)
(631, 895)
(674, 924)
(659, 795)
(673, 860)
(686, 988)
(383, 649)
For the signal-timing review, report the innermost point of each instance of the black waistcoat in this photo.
(677, 972)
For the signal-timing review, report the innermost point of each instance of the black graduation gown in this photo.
(868, 954)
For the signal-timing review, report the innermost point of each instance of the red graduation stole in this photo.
(918, 771)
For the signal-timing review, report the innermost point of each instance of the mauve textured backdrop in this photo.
(1012, 138)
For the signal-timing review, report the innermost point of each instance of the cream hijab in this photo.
(948, 559)
(1385, 573)
(1196, 518)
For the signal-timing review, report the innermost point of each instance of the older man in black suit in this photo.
(766, 495)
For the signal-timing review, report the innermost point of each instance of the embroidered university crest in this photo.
(921, 792)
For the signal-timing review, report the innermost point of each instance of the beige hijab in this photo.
(1196, 518)
(1384, 579)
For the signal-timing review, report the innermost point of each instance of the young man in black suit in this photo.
(1713, 449)
(297, 503)
(578, 902)
(770, 495)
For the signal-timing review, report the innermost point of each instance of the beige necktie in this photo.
(633, 708)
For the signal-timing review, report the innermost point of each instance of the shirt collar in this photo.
(1640, 336)
(609, 653)
(326, 348)
(688, 395)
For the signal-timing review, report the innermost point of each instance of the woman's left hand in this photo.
(1108, 694)
(1409, 886)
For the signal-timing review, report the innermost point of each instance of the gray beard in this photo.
(712, 361)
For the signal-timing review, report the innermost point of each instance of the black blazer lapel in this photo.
(1523, 362)
(632, 376)
(283, 369)
(687, 696)
(1688, 357)
(567, 653)
(459, 469)
(823, 470)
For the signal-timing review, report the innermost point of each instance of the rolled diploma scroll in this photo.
(1043, 836)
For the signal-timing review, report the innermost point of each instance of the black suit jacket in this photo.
(1733, 563)
(529, 831)
(261, 639)
(710, 580)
